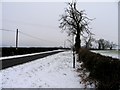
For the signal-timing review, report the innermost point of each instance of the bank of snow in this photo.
(111, 53)
(50, 72)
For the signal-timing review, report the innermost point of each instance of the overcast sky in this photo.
(40, 19)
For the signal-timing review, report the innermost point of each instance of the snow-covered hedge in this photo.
(102, 71)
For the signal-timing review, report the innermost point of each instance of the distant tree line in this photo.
(102, 44)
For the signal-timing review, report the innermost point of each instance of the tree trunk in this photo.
(103, 47)
(99, 46)
(77, 42)
(111, 48)
(87, 45)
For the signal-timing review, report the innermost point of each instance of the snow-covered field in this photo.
(50, 72)
(112, 53)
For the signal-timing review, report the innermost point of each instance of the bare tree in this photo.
(112, 45)
(101, 44)
(88, 41)
(75, 22)
(104, 44)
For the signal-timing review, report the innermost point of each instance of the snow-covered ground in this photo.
(50, 72)
(112, 53)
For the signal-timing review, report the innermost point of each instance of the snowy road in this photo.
(50, 72)
(20, 59)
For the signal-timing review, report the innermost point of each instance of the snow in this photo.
(111, 53)
(53, 71)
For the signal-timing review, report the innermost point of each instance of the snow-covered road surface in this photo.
(50, 72)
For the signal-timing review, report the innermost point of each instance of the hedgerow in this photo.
(102, 71)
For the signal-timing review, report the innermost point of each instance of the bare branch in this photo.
(75, 22)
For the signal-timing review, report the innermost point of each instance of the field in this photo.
(112, 53)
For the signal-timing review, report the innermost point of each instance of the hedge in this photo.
(104, 71)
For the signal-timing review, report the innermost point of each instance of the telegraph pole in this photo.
(16, 39)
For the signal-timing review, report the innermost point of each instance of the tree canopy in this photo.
(75, 22)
